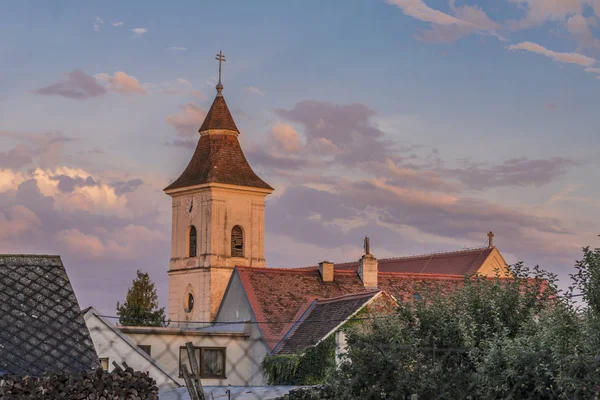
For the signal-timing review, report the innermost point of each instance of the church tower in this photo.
(218, 217)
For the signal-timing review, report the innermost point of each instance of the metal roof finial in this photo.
(490, 236)
(221, 58)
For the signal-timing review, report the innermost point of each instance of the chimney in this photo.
(326, 270)
(368, 267)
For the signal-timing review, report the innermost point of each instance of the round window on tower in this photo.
(189, 302)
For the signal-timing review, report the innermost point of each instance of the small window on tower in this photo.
(192, 241)
(237, 242)
(189, 303)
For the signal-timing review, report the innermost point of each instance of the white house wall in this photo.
(165, 349)
(109, 344)
(235, 307)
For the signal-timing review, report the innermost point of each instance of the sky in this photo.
(423, 124)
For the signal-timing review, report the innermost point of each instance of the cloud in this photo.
(15, 158)
(16, 221)
(411, 176)
(580, 29)
(514, 172)
(283, 137)
(255, 90)
(117, 23)
(81, 244)
(67, 184)
(465, 20)
(349, 127)
(76, 85)
(97, 24)
(540, 11)
(570, 58)
(122, 83)
(178, 48)
(43, 149)
(122, 187)
(125, 243)
(138, 32)
(187, 121)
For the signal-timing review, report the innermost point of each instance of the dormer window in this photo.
(237, 242)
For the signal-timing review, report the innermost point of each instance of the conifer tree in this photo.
(141, 305)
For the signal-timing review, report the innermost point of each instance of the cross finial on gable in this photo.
(490, 236)
(221, 58)
(367, 245)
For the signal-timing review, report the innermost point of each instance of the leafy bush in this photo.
(308, 368)
(491, 338)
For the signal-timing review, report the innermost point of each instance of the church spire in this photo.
(218, 157)
(219, 119)
(221, 58)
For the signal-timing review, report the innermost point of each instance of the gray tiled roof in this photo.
(41, 326)
(321, 319)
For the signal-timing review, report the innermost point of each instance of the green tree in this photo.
(141, 305)
(489, 338)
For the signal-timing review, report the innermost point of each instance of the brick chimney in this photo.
(326, 270)
(368, 267)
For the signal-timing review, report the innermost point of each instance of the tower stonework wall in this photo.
(216, 192)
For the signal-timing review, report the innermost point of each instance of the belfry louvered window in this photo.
(192, 241)
(237, 242)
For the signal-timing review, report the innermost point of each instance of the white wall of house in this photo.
(166, 343)
(235, 307)
(112, 345)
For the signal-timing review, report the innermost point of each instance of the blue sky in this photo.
(421, 123)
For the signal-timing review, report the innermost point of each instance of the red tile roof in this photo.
(218, 157)
(463, 262)
(279, 297)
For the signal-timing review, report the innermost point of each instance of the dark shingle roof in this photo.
(41, 326)
(323, 317)
(219, 117)
(218, 157)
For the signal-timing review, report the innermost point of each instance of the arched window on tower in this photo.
(237, 242)
(192, 241)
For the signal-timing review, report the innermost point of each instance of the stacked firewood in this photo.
(120, 384)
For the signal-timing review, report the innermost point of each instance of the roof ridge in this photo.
(437, 253)
(349, 296)
(269, 269)
(31, 255)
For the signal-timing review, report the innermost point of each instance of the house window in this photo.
(237, 242)
(145, 348)
(211, 359)
(192, 241)
(104, 363)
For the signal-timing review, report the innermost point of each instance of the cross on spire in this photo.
(221, 58)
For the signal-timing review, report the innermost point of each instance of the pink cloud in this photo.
(463, 21)
(539, 11)
(122, 83)
(16, 221)
(570, 58)
(81, 244)
(187, 121)
(283, 137)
